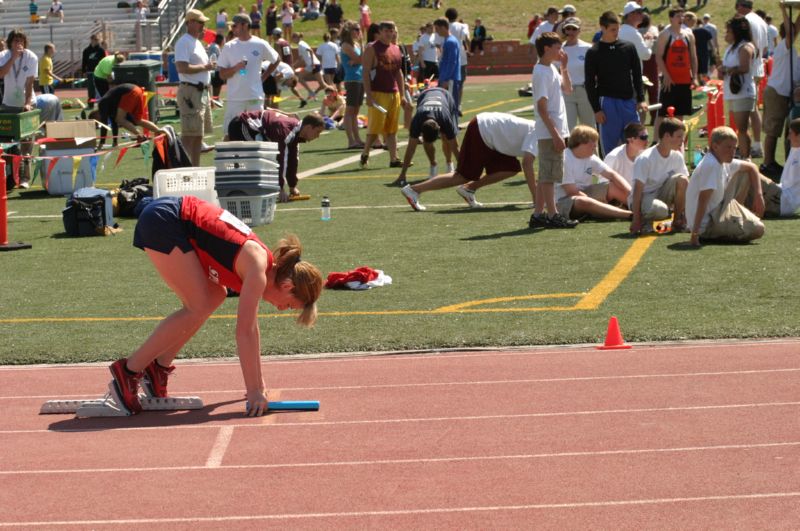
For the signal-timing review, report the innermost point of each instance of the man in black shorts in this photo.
(437, 114)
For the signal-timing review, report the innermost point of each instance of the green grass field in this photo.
(504, 19)
(462, 278)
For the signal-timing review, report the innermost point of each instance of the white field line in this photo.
(421, 460)
(420, 511)
(220, 447)
(412, 420)
(459, 383)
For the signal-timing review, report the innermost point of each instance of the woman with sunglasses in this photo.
(579, 110)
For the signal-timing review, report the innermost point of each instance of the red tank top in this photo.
(217, 236)
(678, 62)
(388, 61)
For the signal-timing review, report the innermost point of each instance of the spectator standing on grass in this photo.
(385, 88)
(777, 103)
(270, 19)
(772, 35)
(449, 62)
(717, 190)
(92, 55)
(460, 31)
(702, 45)
(660, 178)
(194, 72)
(568, 11)
(428, 47)
(534, 22)
(677, 62)
(547, 24)
(240, 64)
(222, 22)
(350, 57)
(328, 53)
(18, 69)
(333, 14)
(287, 18)
(365, 20)
(493, 143)
(47, 77)
(551, 131)
(740, 87)
(613, 83)
(287, 131)
(577, 103)
(650, 67)
(282, 46)
(712, 28)
(758, 39)
(632, 15)
(436, 115)
(578, 195)
(214, 51)
(622, 157)
(255, 20)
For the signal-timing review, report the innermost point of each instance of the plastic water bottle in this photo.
(326, 208)
(243, 70)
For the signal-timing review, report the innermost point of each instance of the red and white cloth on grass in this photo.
(358, 279)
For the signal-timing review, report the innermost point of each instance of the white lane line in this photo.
(459, 383)
(716, 347)
(470, 418)
(220, 447)
(421, 460)
(403, 512)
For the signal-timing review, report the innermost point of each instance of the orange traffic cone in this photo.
(614, 339)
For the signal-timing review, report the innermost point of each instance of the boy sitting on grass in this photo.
(716, 193)
(577, 195)
(660, 180)
(622, 157)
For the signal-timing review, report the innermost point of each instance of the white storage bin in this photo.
(252, 209)
(246, 164)
(225, 147)
(198, 182)
(60, 181)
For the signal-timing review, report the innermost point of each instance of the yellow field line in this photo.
(495, 104)
(463, 305)
(618, 273)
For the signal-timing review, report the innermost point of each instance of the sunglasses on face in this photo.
(644, 137)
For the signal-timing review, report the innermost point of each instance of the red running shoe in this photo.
(127, 386)
(155, 381)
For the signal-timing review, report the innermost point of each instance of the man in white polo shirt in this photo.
(240, 65)
(194, 73)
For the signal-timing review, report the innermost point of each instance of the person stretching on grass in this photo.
(493, 141)
(437, 112)
(200, 250)
(577, 195)
(660, 178)
(717, 190)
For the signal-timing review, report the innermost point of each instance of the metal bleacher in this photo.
(116, 24)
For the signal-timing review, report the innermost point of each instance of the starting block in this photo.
(108, 406)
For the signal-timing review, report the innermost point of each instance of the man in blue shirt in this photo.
(450, 61)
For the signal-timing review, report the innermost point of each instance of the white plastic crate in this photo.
(198, 182)
(245, 164)
(247, 150)
(253, 209)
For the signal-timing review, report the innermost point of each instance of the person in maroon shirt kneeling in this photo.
(288, 131)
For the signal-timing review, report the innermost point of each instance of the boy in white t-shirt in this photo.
(549, 87)
(240, 64)
(578, 194)
(328, 53)
(660, 178)
(622, 157)
(717, 190)
(307, 66)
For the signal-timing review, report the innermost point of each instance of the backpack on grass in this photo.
(89, 212)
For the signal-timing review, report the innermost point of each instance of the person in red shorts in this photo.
(124, 106)
(493, 142)
(200, 250)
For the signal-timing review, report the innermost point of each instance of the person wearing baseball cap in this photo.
(566, 12)
(632, 15)
(240, 63)
(194, 73)
(577, 103)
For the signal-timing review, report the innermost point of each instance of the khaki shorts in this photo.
(195, 111)
(655, 206)
(770, 191)
(742, 105)
(551, 164)
(384, 123)
(598, 192)
(732, 221)
(776, 109)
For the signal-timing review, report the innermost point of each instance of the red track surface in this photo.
(681, 436)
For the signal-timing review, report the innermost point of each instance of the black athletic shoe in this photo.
(303, 103)
(560, 222)
(537, 222)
